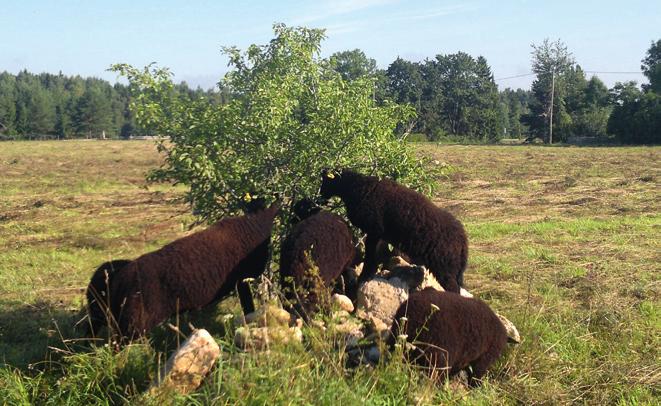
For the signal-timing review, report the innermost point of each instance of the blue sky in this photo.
(85, 37)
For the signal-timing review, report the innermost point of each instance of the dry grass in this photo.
(564, 242)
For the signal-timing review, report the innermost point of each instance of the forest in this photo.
(455, 98)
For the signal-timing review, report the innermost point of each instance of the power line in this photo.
(585, 71)
(516, 76)
(621, 72)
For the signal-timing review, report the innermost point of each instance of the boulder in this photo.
(380, 298)
(187, 367)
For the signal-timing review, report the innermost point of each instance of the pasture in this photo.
(564, 241)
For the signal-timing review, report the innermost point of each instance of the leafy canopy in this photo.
(291, 115)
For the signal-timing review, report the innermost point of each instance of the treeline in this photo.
(52, 106)
(455, 96)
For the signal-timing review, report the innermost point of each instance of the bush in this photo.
(290, 116)
(417, 137)
(637, 121)
(591, 122)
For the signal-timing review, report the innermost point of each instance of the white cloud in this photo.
(343, 28)
(332, 8)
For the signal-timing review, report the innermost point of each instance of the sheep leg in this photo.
(369, 268)
(350, 283)
(245, 297)
(448, 282)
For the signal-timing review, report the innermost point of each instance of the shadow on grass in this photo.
(36, 334)
(33, 333)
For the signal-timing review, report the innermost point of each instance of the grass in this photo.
(564, 241)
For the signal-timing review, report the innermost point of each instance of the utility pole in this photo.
(551, 112)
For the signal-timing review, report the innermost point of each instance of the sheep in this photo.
(449, 332)
(97, 293)
(191, 272)
(405, 218)
(320, 239)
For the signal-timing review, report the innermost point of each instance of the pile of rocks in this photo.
(364, 326)
(267, 326)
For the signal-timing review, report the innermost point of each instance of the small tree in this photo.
(291, 115)
(553, 64)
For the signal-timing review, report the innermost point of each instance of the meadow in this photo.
(564, 241)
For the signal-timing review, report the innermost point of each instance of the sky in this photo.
(86, 37)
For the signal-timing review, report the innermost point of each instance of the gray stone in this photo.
(380, 298)
(187, 367)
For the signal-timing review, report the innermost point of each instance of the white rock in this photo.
(463, 292)
(269, 315)
(342, 302)
(512, 332)
(187, 367)
(261, 338)
(380, 298)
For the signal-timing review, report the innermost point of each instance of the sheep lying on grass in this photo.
(386, 210)
(449, 333)
(313, 256)
(191, 273)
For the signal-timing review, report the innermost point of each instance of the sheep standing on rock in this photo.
(192, 272)
(320, 239)
(450, 332)
(408, 220)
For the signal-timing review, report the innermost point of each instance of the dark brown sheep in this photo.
(191, 272)
(98, 291)
(320, 238)
(458, 332)
(386, 210)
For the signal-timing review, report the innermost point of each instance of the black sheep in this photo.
(320, 238)
(98, 291)
(450, 332)
(191, 272)
(386, 210)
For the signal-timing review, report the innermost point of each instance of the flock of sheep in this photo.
(451, 332)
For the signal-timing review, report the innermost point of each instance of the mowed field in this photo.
(565, 242)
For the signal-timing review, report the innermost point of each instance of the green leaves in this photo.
(291, 115)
